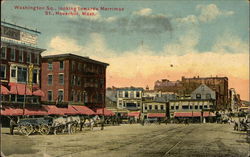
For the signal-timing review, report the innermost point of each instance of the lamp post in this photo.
(102, 126)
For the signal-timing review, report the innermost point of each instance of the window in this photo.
(137, 94)
(196, 107)
(132, 94)
(50, 66)
(120, 103)
(79, 66)
(13, 98)
(162, 107)
(50, 96)
(184, 107)
(21, 74)
(126, 94)
(50, 79)
(20, 98)
(73, 66)
(172, 107)
(200, 107)
(85, 97)
(72, 95)
(35, 76)
(145, 107)
(3, 52)
(208, 96)
(28, 57)
(12, 54)
(120, 94)
(156, 107)
(198, 96)
(150, 107)
(191, 107)
(205, 106)
(3, 71)
(13, 72)
(138, 104)
(61, 79)
(60, 95)
(37, 58)
(20, 56)
(73, 80)
(79, 81)
(177, 107)
(61, 65)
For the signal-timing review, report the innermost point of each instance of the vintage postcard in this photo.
(124, 78)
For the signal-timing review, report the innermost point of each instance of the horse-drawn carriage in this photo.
(56, 125)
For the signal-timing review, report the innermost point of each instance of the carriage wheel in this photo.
(44, 129)
(27, 129)
(73, 128)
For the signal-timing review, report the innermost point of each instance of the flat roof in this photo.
(70, 55)
(19, 27)
(11, 43)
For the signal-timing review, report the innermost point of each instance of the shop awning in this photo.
(134, 114)
(160, 115)
(193, 114)
(39, 92)
(35, 110)
(83, 110)
(19, 89)
(68, 110)
(53, 110)
(107, 112)
(4, 90)
(11, 111)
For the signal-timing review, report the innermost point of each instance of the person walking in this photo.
(12, 125)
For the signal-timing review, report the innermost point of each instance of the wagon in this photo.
(32, 125)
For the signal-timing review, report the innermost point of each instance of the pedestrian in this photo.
(12, 126)
(159, 121)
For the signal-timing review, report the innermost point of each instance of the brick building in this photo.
(187, 85)
(20, 64)
(73, 79)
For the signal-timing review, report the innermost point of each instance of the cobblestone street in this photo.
(133, 141)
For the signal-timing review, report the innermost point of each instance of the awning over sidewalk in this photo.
(107, 112)
(35, 110)
(68, 110)
(53, 110)
(134, 114)
(19, 89)
(11, 111)
(39, 92)
(160, 115)
(83, 110)
(193, 114)
(4, 90)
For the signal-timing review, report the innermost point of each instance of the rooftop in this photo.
(70, 55)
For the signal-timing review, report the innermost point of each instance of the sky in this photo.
(146, 40)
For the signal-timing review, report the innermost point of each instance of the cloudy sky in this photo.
(142, 42)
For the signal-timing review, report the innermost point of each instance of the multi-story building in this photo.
(74, 79)
(234, 100)
(187, 85)
(156, 108)
(20, 64)
(202, 99)
(129, 98)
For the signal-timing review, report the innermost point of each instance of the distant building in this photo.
(187, 85)
(73, 79)
(111, 99)
(202, 99)
(129, 98)
(234, 100)
(156, 108)
(20, 70)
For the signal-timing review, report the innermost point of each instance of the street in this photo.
(153, 140)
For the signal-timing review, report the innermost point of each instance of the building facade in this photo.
(73, 79)
(20, 64)
(129, 98)
(187, 85)
(157, 108)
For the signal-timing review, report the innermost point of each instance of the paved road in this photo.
(178, 140)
